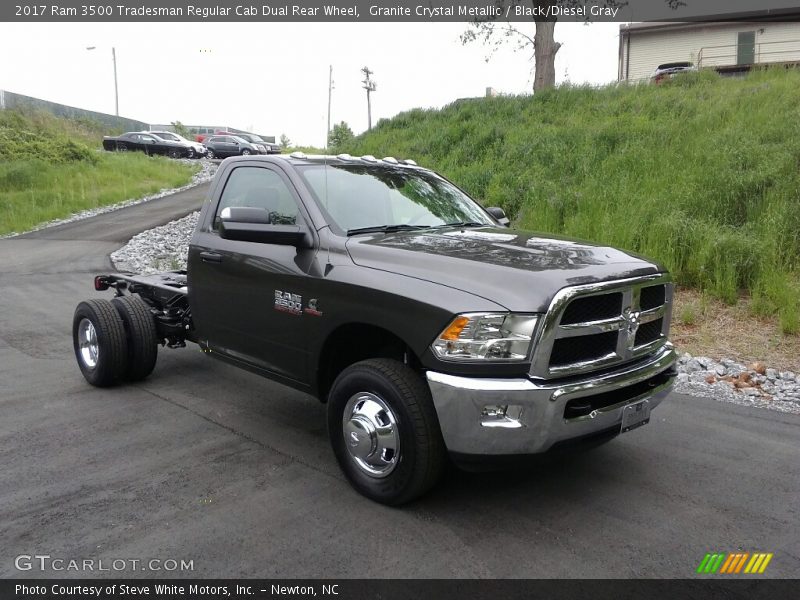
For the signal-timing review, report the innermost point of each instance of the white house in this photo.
(728, 47)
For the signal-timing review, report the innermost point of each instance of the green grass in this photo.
(51, 168)
(702, 174)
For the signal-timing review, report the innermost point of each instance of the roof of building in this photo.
(759, 16)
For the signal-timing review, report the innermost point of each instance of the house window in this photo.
(746, 48)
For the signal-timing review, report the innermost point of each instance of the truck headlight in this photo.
(487, 336)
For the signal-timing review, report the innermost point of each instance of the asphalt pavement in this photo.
(206, 463)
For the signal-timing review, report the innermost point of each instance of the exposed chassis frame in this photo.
(167, 295)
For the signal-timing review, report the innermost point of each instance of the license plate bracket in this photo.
(635, 415)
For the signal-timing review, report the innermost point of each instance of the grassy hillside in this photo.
(52, 167)
(702, 173)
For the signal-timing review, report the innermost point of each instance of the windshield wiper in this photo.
(461, 224)
(385, 229)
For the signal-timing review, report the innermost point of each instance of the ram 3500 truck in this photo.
(427, 326)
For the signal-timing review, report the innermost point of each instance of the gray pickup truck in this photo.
(428, 327)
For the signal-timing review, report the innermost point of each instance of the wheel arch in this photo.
(352, 342)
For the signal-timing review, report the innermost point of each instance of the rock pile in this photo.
(755, 384)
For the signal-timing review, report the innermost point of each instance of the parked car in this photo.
(670, 70)
(221, 146)
(269, 147)
(426, 326)
(197, 149)
(147, 143)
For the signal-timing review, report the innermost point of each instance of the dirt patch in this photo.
(703, 326)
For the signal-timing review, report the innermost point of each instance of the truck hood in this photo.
(520, 270)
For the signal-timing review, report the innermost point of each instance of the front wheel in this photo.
(173, 153)
(384, 431)
(190, 153)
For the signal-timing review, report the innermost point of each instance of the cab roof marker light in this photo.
(369, 158)
(344, 156)
(408, 161)
(391, 160)
(298, 155)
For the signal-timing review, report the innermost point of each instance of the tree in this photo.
(339, 135)
(285, 141)
(181, 129)
(496, 33)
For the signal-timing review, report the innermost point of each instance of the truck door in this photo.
(248, 298)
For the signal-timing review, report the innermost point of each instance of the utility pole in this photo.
(330, 93)
(370, 86)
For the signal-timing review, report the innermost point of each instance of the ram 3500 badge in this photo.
(443, 331)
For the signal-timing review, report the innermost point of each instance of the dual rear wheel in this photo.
(115, 340)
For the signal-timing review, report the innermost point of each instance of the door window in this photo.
(258, 187)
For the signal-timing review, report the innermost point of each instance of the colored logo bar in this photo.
(734, 563)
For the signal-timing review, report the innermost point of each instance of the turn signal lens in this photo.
(455, 328)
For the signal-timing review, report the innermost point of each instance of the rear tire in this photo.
(384, 431)
(209, 154)
(142, 337)
(245, 152)
(98, 338)
(174, 153)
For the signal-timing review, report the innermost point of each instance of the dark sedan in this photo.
(147, 143)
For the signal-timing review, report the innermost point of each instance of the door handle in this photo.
(210, 257)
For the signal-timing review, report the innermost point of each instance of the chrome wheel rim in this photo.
(371, 435)
(245, 152)
(87, 343)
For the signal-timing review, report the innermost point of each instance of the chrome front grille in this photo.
(595, 326)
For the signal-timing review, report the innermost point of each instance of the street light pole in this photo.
(116, 88)
(330, 92)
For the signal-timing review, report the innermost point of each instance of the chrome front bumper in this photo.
(537, 420)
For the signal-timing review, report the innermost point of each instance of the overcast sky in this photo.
(273, 78)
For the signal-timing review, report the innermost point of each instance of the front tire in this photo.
(174, 153)
(98, 338)
(142, 336)
(384, 431)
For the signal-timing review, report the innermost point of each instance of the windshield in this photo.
(356, 196)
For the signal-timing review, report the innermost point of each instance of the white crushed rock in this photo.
(165, 248)
(206, 173)
(748, 385)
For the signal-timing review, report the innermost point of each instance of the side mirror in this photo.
(248, 224)
(499, 214)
